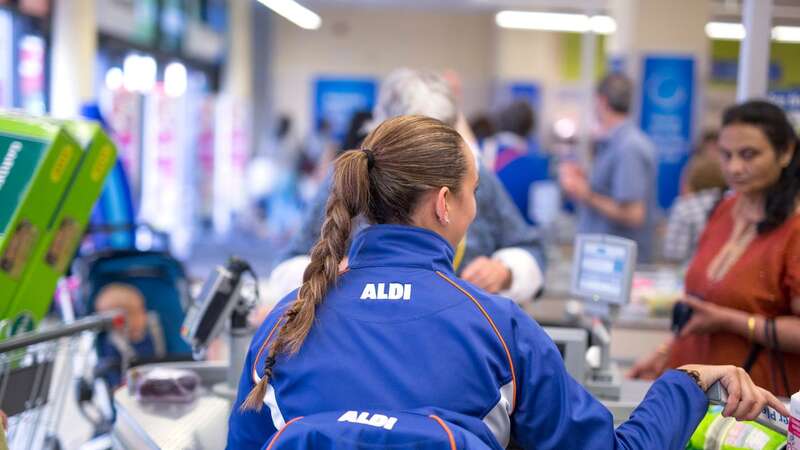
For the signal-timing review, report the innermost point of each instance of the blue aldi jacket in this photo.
(399, 332)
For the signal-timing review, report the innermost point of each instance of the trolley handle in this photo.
(103, 321)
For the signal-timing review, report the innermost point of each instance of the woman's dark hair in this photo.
(482, 127)
(400, 160)
(781, 198)
(355, 131)
(517, 118)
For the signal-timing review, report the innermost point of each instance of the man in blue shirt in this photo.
(619, 196)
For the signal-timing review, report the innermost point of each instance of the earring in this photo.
(446, 220)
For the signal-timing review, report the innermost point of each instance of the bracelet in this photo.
(694, 375)
(751, 327)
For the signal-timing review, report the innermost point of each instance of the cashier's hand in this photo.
(488, 274)
(745, 399)
(707, 317)
(573, 181)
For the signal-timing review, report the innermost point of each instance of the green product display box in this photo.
(52, 257)
(37, 161)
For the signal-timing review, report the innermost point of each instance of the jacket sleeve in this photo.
(553, 411)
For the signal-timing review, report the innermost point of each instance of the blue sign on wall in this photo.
(667, 117)
(727, 70)
(788, 99)
(337, 99)
(527, 91)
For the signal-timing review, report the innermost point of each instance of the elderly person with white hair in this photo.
(501, 253)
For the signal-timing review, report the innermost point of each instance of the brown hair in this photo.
(400, 160)
(704, 172)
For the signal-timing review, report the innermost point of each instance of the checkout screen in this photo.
(602, 269)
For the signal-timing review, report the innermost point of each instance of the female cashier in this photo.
(744, 280)
(399, 331)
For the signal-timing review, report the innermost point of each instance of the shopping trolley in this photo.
(36, 373)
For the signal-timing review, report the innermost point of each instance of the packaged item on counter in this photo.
(166, 385)
(794, 423)
(716, 432)
(37, 161)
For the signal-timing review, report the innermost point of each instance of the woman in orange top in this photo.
(744, 280)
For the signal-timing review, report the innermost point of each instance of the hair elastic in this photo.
(370, 158)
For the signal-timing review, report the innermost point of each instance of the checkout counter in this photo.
(202, 424)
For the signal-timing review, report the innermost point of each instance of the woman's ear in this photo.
(786, 158)
(442, 213)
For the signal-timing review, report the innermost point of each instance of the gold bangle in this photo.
(751, 327)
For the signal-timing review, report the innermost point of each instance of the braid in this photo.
(349, 198)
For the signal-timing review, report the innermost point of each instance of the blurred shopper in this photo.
(483, 128)
(356, 131)
(707, 147)
(515, 124)
(317, 149)
(619, 197)
(511, 153)
(272, 179)
(744, 280)
(316, 153)
(705, 186)
(501, 253)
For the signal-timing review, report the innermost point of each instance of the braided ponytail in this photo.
(349, 198)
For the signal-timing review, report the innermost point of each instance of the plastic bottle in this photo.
(725, 433)
(793, 438)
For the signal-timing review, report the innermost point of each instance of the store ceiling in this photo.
(464, 5)
(784, 11)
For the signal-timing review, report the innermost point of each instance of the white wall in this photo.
(353, 42)
(372, 42)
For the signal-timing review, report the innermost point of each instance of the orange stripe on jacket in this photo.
(496, 331)
(277, 435)
(446, 430)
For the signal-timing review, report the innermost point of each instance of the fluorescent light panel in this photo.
(575, 23)
(295, 13)
(581, 23)
(726, 31)
(786, 34)
(737, 32)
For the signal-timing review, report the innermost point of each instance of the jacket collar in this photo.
(400, 246)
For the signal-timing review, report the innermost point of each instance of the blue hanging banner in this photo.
(337, 99)
(666, 115)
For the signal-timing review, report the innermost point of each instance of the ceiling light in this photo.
(295, 13)
(725, 30)
(575, 23)
(786, 34)
(114, 78)
(175, 79)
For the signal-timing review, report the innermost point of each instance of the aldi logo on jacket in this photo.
(386, 291)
